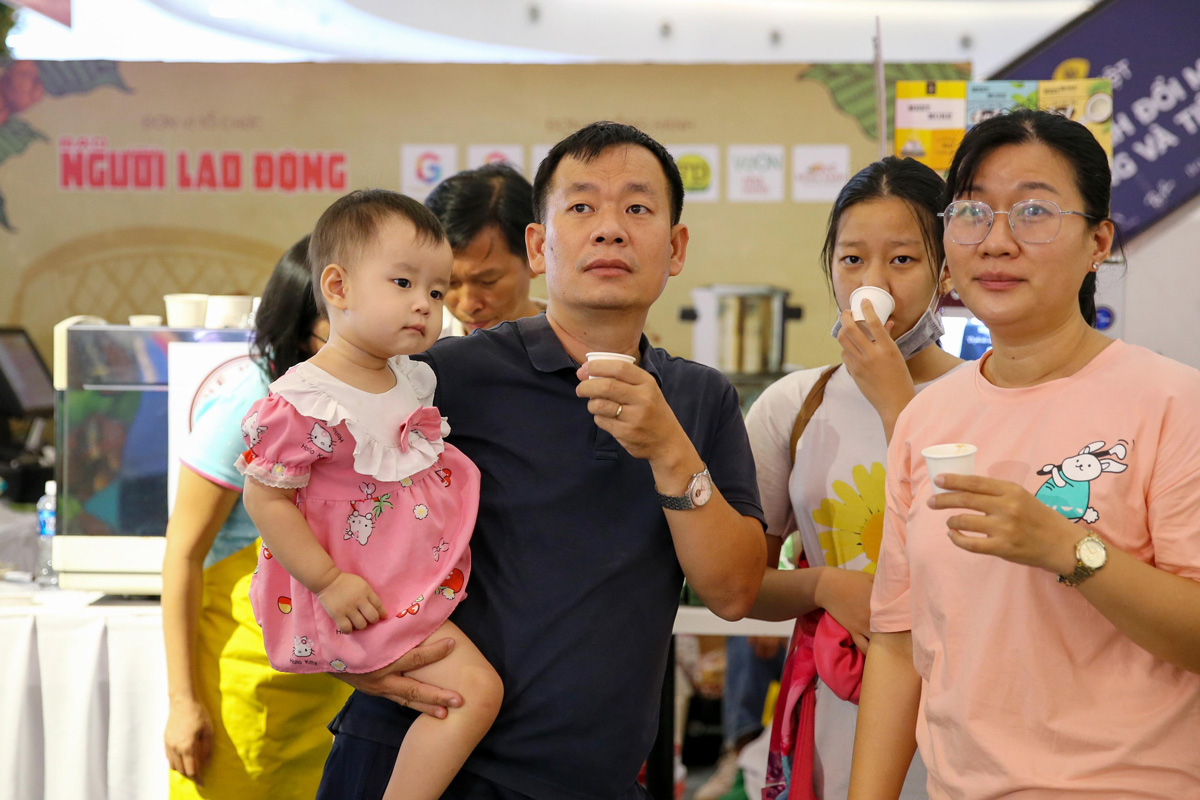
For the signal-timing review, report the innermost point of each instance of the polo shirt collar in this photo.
(546, 352)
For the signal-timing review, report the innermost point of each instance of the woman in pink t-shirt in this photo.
(1038, 624)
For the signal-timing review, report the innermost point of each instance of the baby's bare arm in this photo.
(286, 534)
(349, 600)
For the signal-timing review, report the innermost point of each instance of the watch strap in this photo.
(680, 503)
(1082, 573)
(672, 503)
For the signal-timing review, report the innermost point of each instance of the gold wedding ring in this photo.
(620, 408)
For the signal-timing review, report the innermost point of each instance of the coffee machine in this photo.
(114, 462)
(739, 329)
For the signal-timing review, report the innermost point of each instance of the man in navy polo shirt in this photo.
(598, 497)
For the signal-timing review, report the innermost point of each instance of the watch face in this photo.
(701, 489)
(1092, 553)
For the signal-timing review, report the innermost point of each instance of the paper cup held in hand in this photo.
(881, 302)
(186, 310)
(602, 356)
(956, 459)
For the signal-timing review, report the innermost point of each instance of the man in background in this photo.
(485, 212)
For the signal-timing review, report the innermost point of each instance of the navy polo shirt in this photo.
(574, 582)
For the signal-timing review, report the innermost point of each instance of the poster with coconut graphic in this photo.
(1150, 54)
(1085, 100)
(932, 116)
(986, 99)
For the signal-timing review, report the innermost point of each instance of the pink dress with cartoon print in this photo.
(384, 495)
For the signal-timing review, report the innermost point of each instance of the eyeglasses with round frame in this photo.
(1031, 221)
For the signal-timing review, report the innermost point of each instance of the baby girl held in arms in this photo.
(365, 512)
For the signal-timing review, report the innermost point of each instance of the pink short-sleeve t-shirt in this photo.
(1028, 691)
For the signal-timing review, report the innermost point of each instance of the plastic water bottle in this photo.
(46, 508)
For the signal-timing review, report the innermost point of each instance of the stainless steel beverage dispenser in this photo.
(739, 328)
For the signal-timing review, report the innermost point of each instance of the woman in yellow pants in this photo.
(236, 728)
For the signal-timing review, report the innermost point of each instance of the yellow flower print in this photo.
(855, 522)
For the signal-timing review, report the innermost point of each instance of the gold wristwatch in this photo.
(1090, 556)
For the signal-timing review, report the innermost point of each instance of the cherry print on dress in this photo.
(452, 585)
(414, 608)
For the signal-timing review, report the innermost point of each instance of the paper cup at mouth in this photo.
(145, 320)
(956, 459)
(881, 301)
(186, 310)
(602, 356)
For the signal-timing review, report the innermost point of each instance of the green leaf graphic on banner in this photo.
(78, 77)
(15, 136)
(853, 86)
(4, 216)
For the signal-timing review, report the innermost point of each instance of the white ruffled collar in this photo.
(393, 440)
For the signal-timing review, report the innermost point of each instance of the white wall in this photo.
(1162, 287)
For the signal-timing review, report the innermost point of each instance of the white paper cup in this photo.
(602, 356)
(956, 459)
(881, 301)
(228, 310)
(145, 320)
(186, 310)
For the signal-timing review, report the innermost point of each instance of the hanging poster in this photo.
(1150, 52)
(931, 117)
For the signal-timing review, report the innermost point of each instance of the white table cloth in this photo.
(83, 692)
(83, 697)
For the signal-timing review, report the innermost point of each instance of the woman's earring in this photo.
(1095, 266)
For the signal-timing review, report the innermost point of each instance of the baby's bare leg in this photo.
(434, 749)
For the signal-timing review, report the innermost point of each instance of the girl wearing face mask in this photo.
(828, 482)
(1037, 624)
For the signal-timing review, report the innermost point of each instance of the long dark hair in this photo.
(1071, 140)
(905, 179)
(286, 314)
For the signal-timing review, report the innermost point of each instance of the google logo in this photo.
(429, 167)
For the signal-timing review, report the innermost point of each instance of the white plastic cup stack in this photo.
(145, 320)
(186, 310)
(228, 310)
(881, 302)
(955, 459)
(602, 356)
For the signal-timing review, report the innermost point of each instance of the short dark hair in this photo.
(491, 196)
(351, 223)
(1071, 140)
(587, 143)
(286, 313)
(921, 189)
